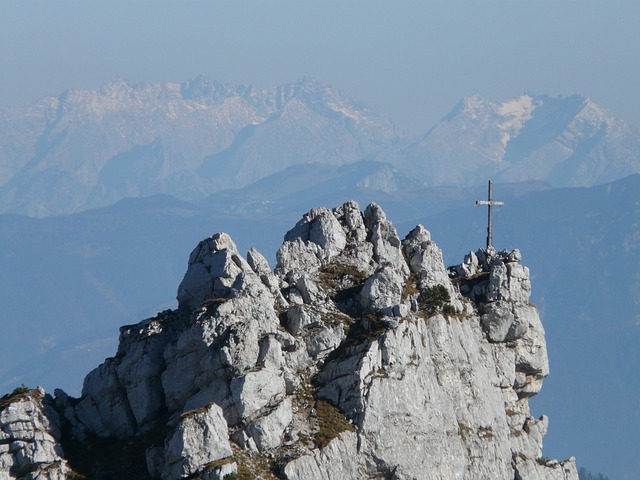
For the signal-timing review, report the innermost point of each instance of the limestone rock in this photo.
(352, 221)
(200, 438)
(266, 431)
(544, 469)
(320, 227)
(30, 437)
(383, 236)
(470, 266)
(261, 267)
(334, 365)
(506, 321)
(298, 256)
(383, 288)
(425, 262)
(339, 459)
(214, 268)
(509, 281)
(125, 393)
(255, 391)
(425, 258)
(104, 408)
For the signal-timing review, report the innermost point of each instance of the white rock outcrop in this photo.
(30, 437)
(358, 356)
(200, 438)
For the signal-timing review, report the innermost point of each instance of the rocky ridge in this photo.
(564, 141)
(358, 356)
(87, 149)
(90, 148)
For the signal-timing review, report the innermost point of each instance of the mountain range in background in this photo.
(204, 157)
(88, 149)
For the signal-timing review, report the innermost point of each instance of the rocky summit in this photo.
(359, 356)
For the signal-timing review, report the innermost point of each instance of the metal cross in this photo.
(490, 203)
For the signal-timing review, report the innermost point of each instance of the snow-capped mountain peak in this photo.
(90, 148)
(515, 112)
(566, 140)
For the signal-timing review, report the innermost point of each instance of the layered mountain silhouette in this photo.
(91, 148)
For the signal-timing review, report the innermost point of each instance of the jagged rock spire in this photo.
(356, 346)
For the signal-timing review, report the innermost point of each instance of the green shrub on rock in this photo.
(436, 299)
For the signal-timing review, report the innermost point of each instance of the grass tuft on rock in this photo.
(17, 394)
(332, 423)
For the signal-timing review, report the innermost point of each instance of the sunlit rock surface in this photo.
(359, 356)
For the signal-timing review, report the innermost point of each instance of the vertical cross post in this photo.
(490, 202)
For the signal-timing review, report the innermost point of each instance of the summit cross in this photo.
(490, 202)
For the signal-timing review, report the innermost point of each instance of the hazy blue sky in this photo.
(412, 60)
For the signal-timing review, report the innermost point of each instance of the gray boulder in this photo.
(199, 439)
(383, 289)
(338, 460)
(322, 228)
(215, 267)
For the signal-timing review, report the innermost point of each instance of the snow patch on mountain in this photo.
(516, 113)
(90, 148)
